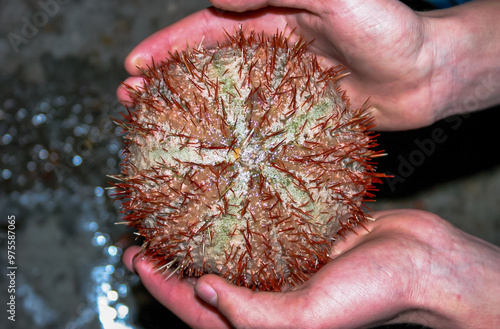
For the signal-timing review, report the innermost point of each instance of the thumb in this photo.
(245, 308)
(239, 5)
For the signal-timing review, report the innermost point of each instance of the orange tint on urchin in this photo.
(245, 161)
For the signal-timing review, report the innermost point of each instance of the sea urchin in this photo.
(245, 161)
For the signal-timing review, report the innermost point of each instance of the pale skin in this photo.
(410, 266)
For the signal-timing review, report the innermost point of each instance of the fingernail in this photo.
(190, 279)
(207, 293)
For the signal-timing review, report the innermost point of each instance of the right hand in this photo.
(386, 46)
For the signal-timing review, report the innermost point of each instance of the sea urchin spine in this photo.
(245, 161)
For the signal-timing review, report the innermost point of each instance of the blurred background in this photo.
(60, 64)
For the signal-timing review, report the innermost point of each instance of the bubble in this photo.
(43, 154)
(38, 119)
(71, 121)
(67, 147)
(122, 290)
(24, 199)
(109, 269)
(81, 130)
(95, 135)
(112, 250)
(60, 101)
(44, 106)
(12, 131)
(111, 162)
(48, 167)
(31, 166)
(37, 148)
(117, 204)
(122, 311)
(113, 148)
(77, 160)
(112, 295)
(88, 118)
(99, 239)
(119, 131)
(76, 108)
(53, 156)
(6, 139)
(21, 180)
(98, 191)
(90, 226)
(6, 174)
(105, 287)
(9, 103)
(21, 114)
(78, 131)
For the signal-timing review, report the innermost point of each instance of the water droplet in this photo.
(44, 106)
(31, 166)
(111, 163)
(88, 118)
(6, 139)
(38, 119)
(109, 269)
(77, 160)
(99, 239)
(90, 226)
(112, 250)
(98, 191)
(122, 290)
(43, 154)
(67, 147)
(6, 174)
(76, 108)
(112, 295)
(105, 287)
(122, 311)
(21, 114)
(113, 148)
(60, 101)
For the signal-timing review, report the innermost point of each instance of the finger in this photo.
(128, 257)
(207, 26)
(245, 5)
(176, 294)
(350, 239)
(384, 223)
(123, 91)
(380, 221)
(239, 6)
(245, 308)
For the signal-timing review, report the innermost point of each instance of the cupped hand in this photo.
(388, 48)
(409, 266)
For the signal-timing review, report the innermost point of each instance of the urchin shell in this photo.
(245, 161)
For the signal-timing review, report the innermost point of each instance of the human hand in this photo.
(408, 64)
(410, 266)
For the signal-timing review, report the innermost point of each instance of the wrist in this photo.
(458, 282)
(464, 45)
